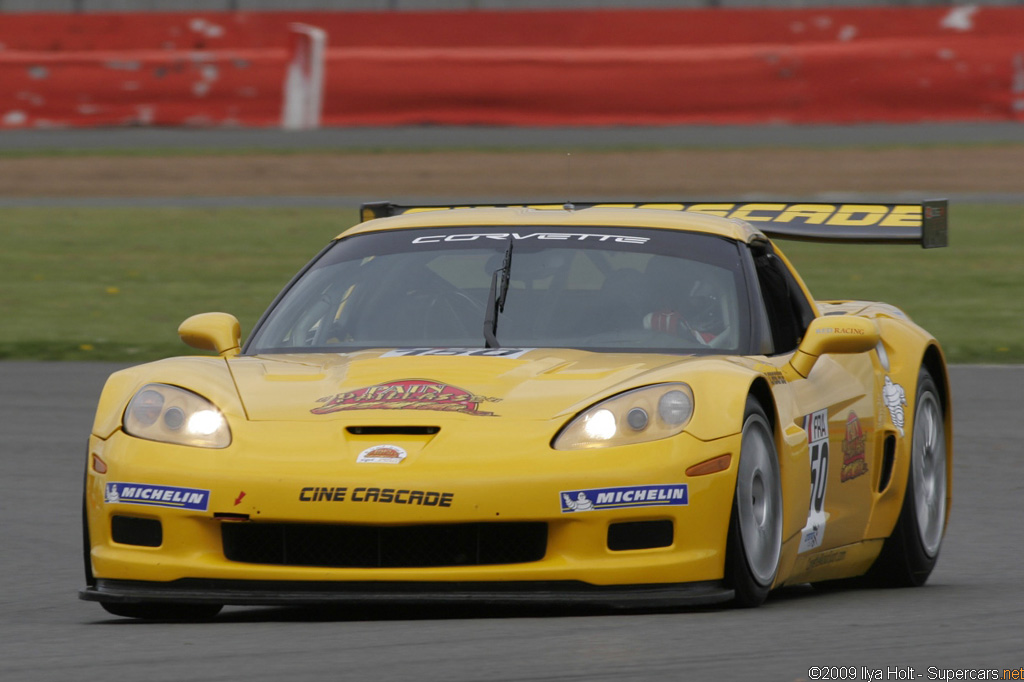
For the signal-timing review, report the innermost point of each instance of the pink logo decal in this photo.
(407, 394)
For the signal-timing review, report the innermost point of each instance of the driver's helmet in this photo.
(702, 309)
(682, 294)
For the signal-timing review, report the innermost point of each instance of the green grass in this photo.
(113, 284)
(969, 295)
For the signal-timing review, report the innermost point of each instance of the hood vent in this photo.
(393, 430)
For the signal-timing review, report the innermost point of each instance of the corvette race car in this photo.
(628, 405)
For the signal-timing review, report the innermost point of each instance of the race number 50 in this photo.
(816, 426)
(819, 475)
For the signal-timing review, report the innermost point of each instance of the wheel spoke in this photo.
(929, 465)
(930, 431)
(760, 515)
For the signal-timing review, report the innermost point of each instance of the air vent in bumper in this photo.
(351, 546)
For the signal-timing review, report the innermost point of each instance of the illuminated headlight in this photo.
(600, 425)
(173, 415)
(636, 416)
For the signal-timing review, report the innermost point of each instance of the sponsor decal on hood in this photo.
(407, 394)
(382, 454)
(507, 353)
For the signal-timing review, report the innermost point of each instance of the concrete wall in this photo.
(431, 5)
(630, 67)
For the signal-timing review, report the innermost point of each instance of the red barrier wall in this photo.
(521, 68)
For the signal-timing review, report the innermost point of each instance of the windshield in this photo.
(592, 288)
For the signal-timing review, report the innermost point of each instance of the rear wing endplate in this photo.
(925, 223)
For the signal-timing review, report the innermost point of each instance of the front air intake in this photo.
(132, 530)
(640, 535)
(350, 546)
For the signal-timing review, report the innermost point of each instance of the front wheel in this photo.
(909, 554)
(755, 529)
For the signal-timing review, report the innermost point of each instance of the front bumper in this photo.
(251, 484)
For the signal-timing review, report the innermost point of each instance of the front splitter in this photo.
(290, 593)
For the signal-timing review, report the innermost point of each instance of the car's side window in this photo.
(787, 308)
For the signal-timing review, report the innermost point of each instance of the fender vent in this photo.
(888, 461)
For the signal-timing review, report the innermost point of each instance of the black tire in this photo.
(755, 527)
(157, 611)
(86, 542)
(86, 547)
(910, 552)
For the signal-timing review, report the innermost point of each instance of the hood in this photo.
(409, 385)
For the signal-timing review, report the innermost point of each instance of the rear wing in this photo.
(925, 223)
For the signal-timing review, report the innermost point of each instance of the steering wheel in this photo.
(454, 308)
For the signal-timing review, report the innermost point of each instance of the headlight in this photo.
(173, 415)
(635, 416)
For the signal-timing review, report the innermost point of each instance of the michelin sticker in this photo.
(157, 496)
(895, 399)
(816, 426)
(594, 499)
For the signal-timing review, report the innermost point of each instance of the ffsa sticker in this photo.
(816, 426)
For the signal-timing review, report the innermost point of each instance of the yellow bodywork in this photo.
(498, 466)
(297, 438)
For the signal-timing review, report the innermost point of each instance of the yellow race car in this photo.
(626, 404)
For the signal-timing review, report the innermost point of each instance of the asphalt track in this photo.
(497, 137)
(968, 616)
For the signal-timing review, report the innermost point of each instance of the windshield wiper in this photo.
(496, 298)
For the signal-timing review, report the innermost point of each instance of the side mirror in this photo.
(834, 334)
(218, 332)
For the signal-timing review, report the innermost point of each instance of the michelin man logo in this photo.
(895, 398)
(112, 496)
(581, 503)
